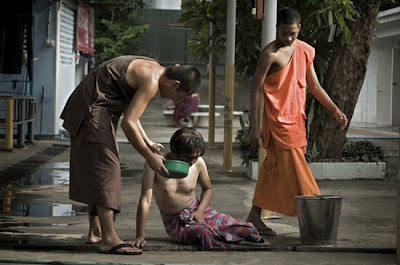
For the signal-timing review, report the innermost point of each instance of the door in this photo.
(384, 87)
(396, 88)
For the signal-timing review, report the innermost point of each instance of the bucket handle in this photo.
(321, 197)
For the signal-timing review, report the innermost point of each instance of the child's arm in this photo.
(319, 93)
(206, 191)
(144, 205)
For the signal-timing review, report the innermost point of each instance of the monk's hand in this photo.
(341, 118)
(155, 147)
(156, 163)
(138, 242)
(254, 136)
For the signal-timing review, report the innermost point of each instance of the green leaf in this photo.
(330, 18)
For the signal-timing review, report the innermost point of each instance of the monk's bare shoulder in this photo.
(278, 56)
(269, 54)
(141, 71)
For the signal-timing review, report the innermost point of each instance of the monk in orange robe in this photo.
(284, 69)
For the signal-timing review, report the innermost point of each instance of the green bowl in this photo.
(177, 168)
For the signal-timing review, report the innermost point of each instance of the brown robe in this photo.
(91, 116)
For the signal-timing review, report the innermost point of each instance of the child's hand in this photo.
(197, 216)
(138, 242)
(341, 118)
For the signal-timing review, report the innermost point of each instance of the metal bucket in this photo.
(318, 218)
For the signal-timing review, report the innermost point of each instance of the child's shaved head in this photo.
(187, 140)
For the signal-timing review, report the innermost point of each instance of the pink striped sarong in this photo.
(219, 229)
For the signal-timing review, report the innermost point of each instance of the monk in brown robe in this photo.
(123, 85)
(284, 69)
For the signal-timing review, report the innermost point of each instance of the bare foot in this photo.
(94, 234)
(262, 228)
(92, 239)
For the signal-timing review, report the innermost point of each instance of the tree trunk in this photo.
(343, 83)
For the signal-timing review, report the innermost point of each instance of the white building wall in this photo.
(43, 66)
(65, 62)
(81, 70)
(164, 4)
(377, 99)
(365, 111)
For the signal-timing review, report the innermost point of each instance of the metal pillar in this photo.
(211, 92)
(229, 83)
(398, 214)
(267, 36)
(9, 123)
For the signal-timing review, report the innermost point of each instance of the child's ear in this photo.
(177, 84)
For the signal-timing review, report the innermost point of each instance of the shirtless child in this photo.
(187, 219)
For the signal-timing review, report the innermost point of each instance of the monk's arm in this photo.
(132, 128)
(155, 147)
(319, 93)
(263, 65)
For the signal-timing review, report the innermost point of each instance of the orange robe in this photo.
(284, 173)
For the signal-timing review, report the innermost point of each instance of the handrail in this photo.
(19, 110)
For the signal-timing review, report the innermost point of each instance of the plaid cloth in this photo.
(218, 229)
(185, 108)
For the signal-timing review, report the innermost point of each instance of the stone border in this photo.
(336, 170)
(348, 170)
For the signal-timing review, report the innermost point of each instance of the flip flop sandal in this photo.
(113, 250)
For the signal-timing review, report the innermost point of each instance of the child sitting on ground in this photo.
(188, 219)
(184, 107)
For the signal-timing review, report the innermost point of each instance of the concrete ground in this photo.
(40, 225)
(44, 226)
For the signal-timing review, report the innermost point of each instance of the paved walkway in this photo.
(46, 220)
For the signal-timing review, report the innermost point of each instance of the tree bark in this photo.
(343, 82)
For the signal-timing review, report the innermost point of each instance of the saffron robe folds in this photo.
(285, 172)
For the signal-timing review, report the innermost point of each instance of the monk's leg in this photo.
(110, 237)
(94, 235)
(254, 217)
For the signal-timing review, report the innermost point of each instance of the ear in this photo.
(176, 84)
(299, 26)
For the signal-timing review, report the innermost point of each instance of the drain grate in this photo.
(26, 167)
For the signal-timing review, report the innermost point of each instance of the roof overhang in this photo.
(388, 23)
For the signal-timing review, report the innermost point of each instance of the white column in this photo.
(229, 83)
